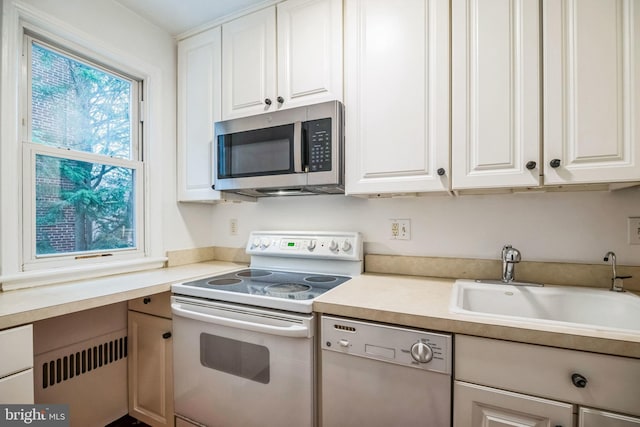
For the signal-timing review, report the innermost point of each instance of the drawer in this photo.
(588, 417)
(17, 350)
(613, 383)
(17, 388)
(156, 304)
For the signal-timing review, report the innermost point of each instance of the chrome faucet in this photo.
(510, 257)
(616, 281)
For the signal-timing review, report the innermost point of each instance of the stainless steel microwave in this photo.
(288, 152)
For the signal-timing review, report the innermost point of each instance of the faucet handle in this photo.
(511, 254)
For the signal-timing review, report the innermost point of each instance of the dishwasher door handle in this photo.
(292, 331)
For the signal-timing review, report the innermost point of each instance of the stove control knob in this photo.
(255, 243)
(264, 243)
(346, 245)
(333, 246)
(421, 352)
(311, 245)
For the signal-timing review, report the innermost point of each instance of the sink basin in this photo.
(560, 305)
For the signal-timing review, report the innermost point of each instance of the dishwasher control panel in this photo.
(403, 346)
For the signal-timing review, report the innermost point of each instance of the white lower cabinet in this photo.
(503, 383)
(588, 417)
(479, 406)
(16, 365)
(151, 360)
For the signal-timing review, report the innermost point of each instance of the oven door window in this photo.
(255, 153)
(235, 357)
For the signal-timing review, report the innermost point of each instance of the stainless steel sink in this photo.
(560, 305)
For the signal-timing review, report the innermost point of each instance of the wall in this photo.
(117, 29)
(568, 226)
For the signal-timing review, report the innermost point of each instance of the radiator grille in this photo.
(83, 361)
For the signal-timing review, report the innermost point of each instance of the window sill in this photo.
(29, 279)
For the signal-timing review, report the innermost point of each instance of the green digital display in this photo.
(291, 244)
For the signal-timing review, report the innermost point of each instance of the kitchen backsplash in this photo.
(553, 273)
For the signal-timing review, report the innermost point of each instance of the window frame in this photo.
(31, 261)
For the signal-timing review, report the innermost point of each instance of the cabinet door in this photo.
(478, 406)
(588, 417)
(396, 96)
(150, 364)
(199, 87)
(249, 64)
(309, 51)
(17, 388)
(495, 93)
(591, 92)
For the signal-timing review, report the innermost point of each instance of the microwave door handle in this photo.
(294, 331)
(297, 147)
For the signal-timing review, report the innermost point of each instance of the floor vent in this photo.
(83, 361)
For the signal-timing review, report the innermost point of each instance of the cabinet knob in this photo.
(280, 100)
(578, 380)
(441, 171)
(166, 335)
(531, 165)
(267, 101)
(147, 300)
(555, 163)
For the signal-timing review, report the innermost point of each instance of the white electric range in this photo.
(244, 348)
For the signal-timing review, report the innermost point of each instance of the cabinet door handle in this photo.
(280, 100)
(555, 163)
(146, 300)
(579, 381)
(166, 335)
(441, 171)
(531, 165)
(267, 101)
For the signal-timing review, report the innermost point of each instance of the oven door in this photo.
(241, 366)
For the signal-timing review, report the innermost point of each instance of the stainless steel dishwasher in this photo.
(379, 375)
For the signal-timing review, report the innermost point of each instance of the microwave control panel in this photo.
(319, 145)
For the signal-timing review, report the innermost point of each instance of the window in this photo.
(83, 174)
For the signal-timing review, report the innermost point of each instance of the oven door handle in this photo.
(293, 331)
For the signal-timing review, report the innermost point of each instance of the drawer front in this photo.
(612, 382)
(17, 350)
(588, 417)
(156, 304)
(17, 388)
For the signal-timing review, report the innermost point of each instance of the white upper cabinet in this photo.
(309, 51)
(249, 64)
(495, 93)
(591, 79)
(397, 96)
(282, 56)
(199, 87)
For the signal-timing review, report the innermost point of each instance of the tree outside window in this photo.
(85, 194)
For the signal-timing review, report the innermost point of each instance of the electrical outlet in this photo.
(233, 226)
(634, 230)
(400, 229)
(394, 229)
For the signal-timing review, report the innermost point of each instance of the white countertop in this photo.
(32, 304)
(423, 302)
(403, 300)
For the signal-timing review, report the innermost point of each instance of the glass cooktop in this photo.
(271, 283)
